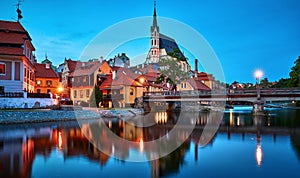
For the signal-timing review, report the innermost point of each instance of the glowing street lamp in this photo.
(258, 74)
(60, 89)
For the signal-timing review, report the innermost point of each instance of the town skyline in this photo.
(242, 44)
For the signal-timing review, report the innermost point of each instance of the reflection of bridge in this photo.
(288, 94)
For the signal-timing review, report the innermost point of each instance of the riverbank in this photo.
(47, 115)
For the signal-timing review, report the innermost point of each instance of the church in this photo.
(161, 46)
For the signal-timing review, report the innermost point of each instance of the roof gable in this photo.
(42, 72)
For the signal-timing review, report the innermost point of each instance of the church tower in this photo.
(153, 55)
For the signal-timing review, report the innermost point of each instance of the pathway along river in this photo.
(244, 146)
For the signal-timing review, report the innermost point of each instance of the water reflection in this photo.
(20, 146)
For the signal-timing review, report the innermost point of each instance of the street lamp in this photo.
(258, 74)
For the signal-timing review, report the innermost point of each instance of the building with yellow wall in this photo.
(46, 80)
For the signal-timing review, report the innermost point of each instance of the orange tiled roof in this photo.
(42, 72)
(120, 80)
(11, 51)
(198, 85)
(14, 26)
(87, 69)
(71, 64)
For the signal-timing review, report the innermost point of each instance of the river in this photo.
(242, 146)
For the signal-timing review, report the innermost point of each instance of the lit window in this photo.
(87, 92)
(75, 94)
(81, 94)
(49, 82)
(38, 82)
(131, 91)
(2, 68)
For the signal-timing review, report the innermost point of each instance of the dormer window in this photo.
(47, 65)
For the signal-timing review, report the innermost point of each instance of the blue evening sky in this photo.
(245, 35)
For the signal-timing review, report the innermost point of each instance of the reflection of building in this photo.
(17, 151)
(16, 58)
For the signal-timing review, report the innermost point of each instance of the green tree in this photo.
(265, 83)
(282, 83)
(177, 54)
(96, 97)
(295, 74)
(171, 72)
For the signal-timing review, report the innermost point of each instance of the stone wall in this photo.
(26, 102)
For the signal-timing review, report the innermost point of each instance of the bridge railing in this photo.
(229, 93)
(184, 93)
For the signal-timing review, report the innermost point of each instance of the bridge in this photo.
(256, 96)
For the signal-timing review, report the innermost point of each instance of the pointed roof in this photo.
(198, 85)
(154, 23)
(85, 68)
(43, 72)
(12, 36)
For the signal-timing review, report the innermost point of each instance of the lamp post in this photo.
(258, 74)
(60, 89)
(258, 105)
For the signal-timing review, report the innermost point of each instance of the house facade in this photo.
(82, 81)
(46, 80)
(17, 71)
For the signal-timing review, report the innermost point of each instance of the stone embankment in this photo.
(47, 115)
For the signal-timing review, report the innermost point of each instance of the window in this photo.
(131, 91)
(84, 78)
(87, 92)
(81, 94)
(183, 85)
(38, 82)
(49, 82)
(2, 68)
(48, 90)
(75, 94)
(38, 90)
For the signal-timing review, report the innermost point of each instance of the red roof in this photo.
(120, 80)
(85, 68)
(42, 72)
(13, 26)
(197, 85)
(123, 70)
(11, 51)
(71, 64)
(12, 36)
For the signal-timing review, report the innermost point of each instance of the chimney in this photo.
(196, 68)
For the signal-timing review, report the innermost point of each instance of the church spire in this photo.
(154, 52)
(154, 24)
